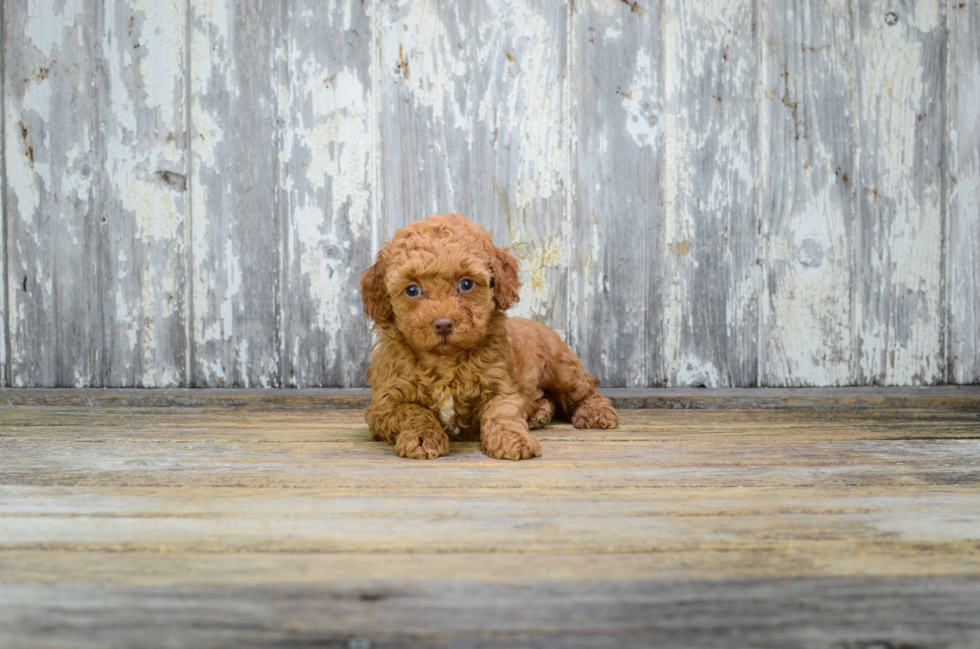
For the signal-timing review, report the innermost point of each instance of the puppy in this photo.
(448, 361)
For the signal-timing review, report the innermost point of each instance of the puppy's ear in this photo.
(505, 280)
(374, 292)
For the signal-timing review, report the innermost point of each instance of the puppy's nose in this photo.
(443, 326)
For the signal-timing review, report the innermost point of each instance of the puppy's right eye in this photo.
(413, 291)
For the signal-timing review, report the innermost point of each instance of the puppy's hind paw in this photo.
(595, 412)
(424, 445)
(545, 411)
(510, 441)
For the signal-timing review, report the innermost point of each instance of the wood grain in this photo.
(616, 293)
(328, 157)
(53, 203)
(219, 447)
(473, 122)
(963, 133)
(220, 526)
(143, 193)
(899, 240)
(236, 225)
(808, 203)
(711, 82)
(919, 612)
(4, 307)
(720, 194)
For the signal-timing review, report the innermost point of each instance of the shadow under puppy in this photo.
(448, 360)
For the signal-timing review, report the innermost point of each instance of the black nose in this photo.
(443, 326)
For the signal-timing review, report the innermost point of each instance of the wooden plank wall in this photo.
(722, 194)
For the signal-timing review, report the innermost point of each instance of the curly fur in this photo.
(493, 378)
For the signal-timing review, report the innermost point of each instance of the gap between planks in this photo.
(965, 397)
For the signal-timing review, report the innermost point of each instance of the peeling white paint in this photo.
(161, 41)
(643, 114)
(963, 156)
(488, 96)
(534, 274)
(210, 45)
(709, 177)
(338, 139)
(903, 345)
(805, 331)
(46, 26)
(693, 371)
(4, 312)
(233, 280)
(421, 49)
(143, 49)
(22, 183)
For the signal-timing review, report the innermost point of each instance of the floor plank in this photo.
(204, 525)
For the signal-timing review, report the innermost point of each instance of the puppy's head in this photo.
(438, 281)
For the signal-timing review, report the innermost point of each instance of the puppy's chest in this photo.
(454, 412)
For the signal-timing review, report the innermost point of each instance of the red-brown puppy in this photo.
(448, 361)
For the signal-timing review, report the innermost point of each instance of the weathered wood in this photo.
(616, 293)
(946, 397)
(919, 523)
(898, 298)
(4, 310)
(711, 90)
(963, 133)
(473, 119)
(328, 155)
(780, 194)
(843, 612)
(122, 567)
(143, 192)
(808, 204)
(652, 450)
(224, 527)
(236, 225)
(53, 209)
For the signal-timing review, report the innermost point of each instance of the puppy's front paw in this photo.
(509, 440)
(595, 412)
(424, 445)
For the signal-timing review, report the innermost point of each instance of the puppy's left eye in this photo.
(466, 285)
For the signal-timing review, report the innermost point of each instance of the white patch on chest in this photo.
(447, 415)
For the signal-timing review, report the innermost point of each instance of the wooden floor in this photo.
(258, 525)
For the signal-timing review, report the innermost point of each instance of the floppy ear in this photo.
(505, 281)
(374, 293)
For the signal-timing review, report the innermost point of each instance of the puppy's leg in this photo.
(543, 413)
(578, 396)
(415, 431)
(504, 434)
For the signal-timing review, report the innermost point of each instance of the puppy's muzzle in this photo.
(443, 326)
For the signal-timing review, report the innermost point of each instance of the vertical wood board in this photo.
(808, 203)
(898, 298)
(473, 122)
(963, 237)
(327, 186)
(616, 251)
(143, 192)
(236, 238)
(53, 209)
(710, 190)
(4, 312)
